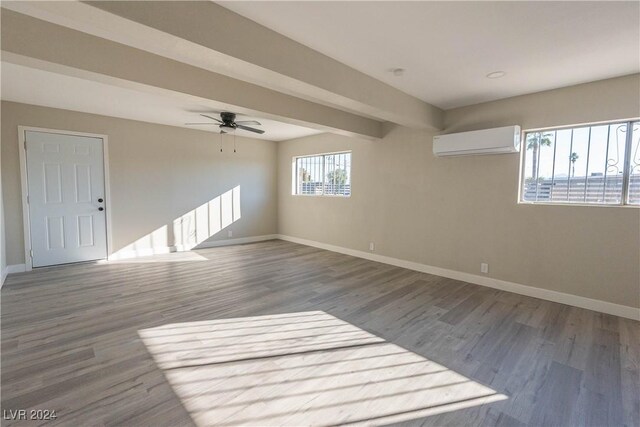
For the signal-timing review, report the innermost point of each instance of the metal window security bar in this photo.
(633, 165)
(323, 175)
(595, 164)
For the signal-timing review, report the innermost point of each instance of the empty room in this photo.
(307, 213)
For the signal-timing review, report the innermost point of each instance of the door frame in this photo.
(26, 220)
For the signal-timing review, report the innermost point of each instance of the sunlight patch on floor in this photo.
(307, 368)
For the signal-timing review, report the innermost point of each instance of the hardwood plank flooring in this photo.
(275, 333)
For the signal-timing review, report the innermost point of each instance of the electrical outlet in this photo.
(484, 268)
(372, 246)
(230, 233)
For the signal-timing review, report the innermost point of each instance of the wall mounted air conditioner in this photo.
(488, 141)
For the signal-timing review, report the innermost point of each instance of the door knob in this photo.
(100, 200)
(100, 208)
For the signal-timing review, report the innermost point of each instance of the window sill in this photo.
(328, 196)
(591, 205)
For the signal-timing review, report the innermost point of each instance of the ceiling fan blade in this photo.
(260, 131)
(206, 124)
(212, 118)
(249, 122)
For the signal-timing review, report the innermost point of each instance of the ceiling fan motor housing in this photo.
(228, 118)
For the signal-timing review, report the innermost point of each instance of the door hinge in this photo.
(31, 253)
(25, 144)
(27, 199)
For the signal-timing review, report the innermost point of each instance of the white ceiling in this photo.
(447, 48)
(44, 88)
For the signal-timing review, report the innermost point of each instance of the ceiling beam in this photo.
(209, 36)
(76, 53)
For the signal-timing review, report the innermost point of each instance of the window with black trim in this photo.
(596, 164)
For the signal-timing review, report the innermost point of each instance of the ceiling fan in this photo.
(227, 123)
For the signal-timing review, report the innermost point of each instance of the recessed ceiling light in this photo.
(397, 71)
(496, 75)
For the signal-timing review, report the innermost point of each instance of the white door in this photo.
(65, 177)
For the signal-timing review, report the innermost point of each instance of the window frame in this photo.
(626, 165)
(294, 173)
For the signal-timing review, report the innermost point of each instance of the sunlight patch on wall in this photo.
(206, 220)
(188, 230)
(156, 242)
(305, 368)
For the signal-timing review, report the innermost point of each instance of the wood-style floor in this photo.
(275, 333)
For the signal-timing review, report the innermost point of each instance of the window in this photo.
(323, 175)
(594, 164)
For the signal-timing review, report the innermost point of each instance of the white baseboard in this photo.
(238, 241)
(10, 269)
(182, 248)
(135, 253)
(546, 294)
(15, 268)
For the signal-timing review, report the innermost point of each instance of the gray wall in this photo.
(455, 213)
(158, 174)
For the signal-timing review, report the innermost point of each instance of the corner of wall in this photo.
(3, 258)
(277, 186)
